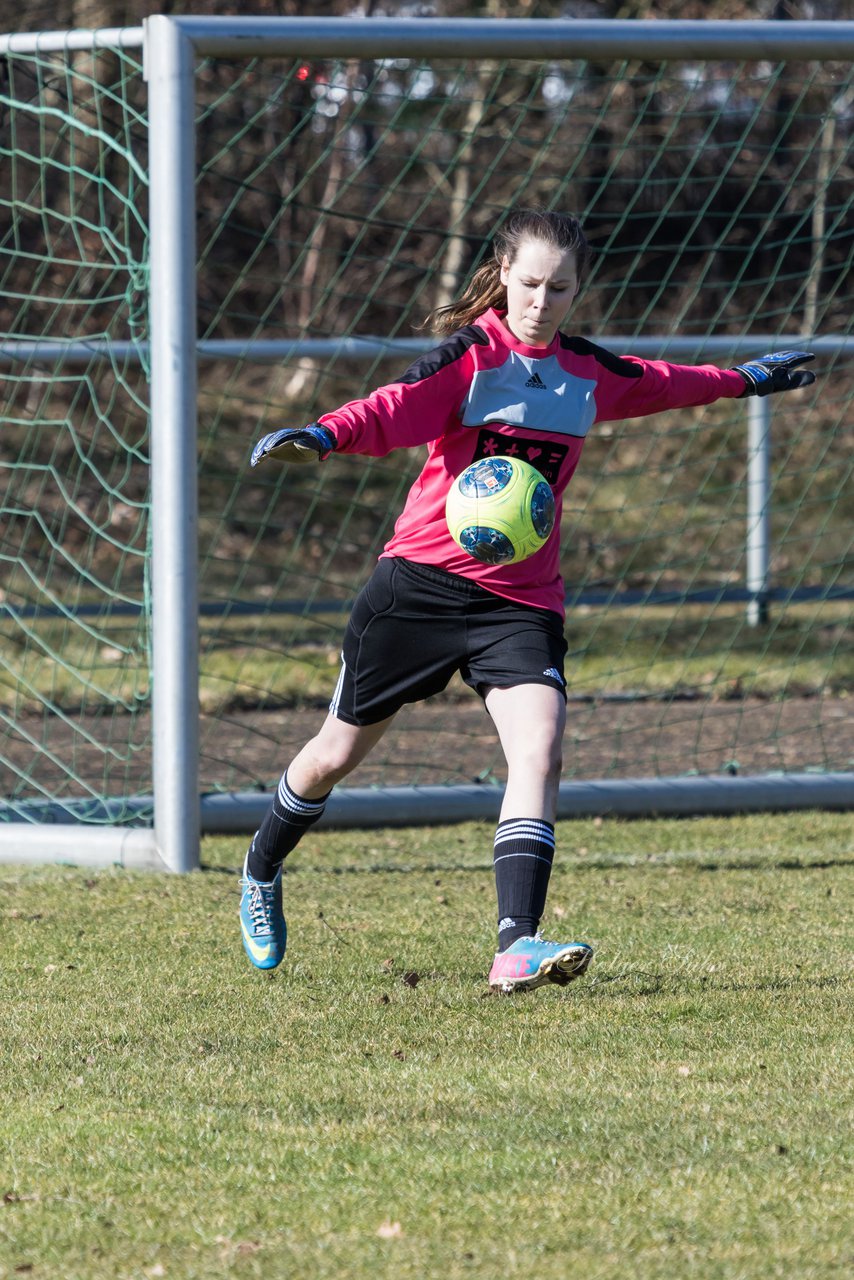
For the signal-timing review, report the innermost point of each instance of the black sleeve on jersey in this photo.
(453, 348)
(614, 364)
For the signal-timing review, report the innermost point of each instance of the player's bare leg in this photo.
(530, 720)
(331, 754)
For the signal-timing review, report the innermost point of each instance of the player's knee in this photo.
(336, 751)
(333, 764)
(540, 757)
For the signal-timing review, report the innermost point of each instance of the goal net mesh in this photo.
(344, 200)
(74, 511)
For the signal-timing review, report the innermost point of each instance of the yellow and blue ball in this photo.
(500, 510)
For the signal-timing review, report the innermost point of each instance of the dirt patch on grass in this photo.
(442, 741)
(436, 743)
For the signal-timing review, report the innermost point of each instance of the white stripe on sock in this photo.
(525, 830)
(295, 803)
(538, 856)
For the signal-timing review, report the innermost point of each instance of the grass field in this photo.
(371, 1110)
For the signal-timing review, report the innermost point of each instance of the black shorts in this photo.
(413, 627)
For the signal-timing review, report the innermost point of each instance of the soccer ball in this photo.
(500, 510)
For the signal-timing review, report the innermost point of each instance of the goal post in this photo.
(170, 70)
(333, 173)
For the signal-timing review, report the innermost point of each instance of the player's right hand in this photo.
(300, 445)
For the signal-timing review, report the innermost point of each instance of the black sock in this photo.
(287, 821)
(524, 850)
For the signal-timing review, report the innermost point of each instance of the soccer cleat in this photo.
(532, 962)
(262, 921)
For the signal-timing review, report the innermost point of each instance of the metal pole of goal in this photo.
(169, 69)
(758, 509)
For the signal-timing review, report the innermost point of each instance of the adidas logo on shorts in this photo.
(554, 674)
(536, 382)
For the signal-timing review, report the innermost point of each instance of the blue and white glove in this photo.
(776, 372)
(300, 445)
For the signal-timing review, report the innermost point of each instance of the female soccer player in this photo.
(505, 381)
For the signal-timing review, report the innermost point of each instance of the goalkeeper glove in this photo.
(305, 444)
(776, 372)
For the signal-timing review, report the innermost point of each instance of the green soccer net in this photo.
(344, 199)
(74, 513)
(338, 201)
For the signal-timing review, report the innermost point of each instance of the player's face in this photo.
(541, 283)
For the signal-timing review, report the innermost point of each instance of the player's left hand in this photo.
(776, 372)
(306, 444)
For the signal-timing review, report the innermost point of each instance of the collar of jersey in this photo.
(492, 319)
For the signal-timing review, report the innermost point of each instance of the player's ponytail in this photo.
(485, 290)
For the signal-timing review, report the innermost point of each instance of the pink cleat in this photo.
(532, 962)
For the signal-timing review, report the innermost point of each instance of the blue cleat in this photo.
(532, 962)
(262, 921)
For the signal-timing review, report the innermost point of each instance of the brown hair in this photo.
(484, 290)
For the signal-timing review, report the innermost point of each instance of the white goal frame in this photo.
(171, 46)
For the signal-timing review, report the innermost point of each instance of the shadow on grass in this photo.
(762, 863)
(655, 984)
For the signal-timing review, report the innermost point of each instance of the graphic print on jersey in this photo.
(545, 455)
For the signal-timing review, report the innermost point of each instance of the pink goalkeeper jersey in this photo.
(483, 393)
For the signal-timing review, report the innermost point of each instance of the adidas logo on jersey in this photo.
(536, 381)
